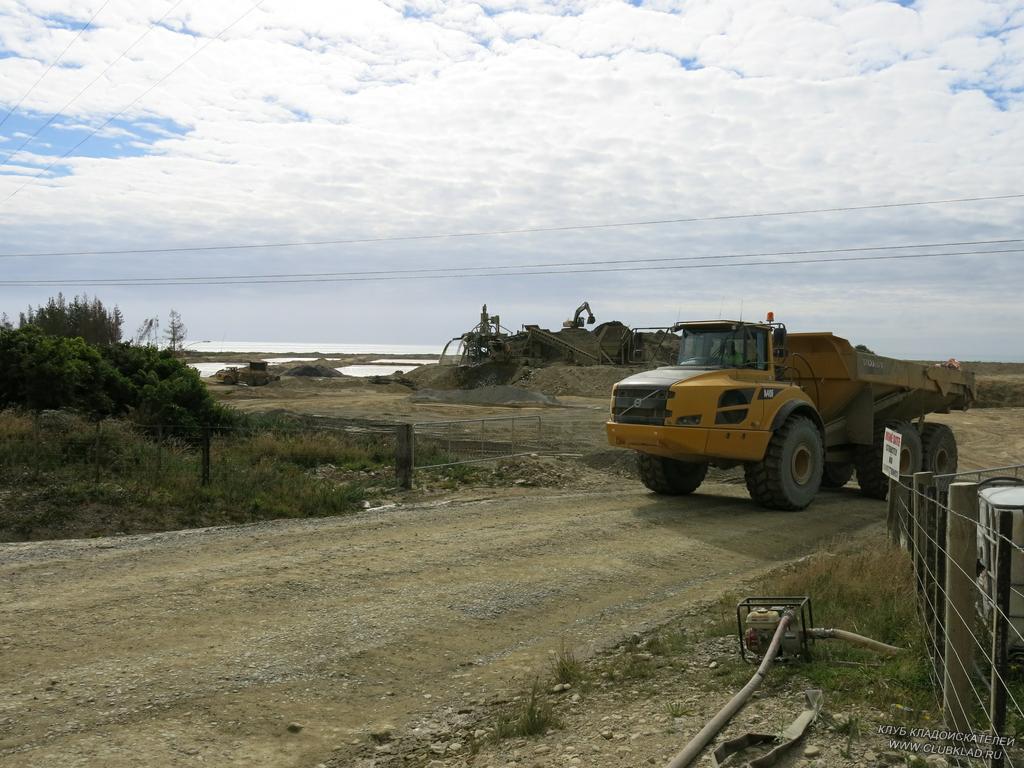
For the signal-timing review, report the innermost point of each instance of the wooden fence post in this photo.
(919, 504)
(404, 455)
(1003, 529)
(206, 456)
(892, 516)
(906, 512)
(159, 450)
(97, 448)
(962, 553)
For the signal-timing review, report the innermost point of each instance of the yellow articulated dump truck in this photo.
(797, 411)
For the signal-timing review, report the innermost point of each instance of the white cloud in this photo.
(332, 120)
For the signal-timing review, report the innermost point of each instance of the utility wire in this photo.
(54, 63)
(385, 276)
(494, 232)
(138, 98)
(60, 112)
(425, 270)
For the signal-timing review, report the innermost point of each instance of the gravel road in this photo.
(202, 647)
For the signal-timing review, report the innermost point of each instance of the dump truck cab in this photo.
(712, 402)
(797, 411)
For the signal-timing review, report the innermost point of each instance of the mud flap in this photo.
(789, 738)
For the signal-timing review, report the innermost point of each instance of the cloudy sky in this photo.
(158, 124)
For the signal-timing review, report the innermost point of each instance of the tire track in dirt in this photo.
(165, 648)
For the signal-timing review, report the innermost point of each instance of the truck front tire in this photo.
(670, 477)
(789, 476)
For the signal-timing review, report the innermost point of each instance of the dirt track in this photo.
(162, 649)
(200, 647)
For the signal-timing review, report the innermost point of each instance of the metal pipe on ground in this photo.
(697, 744)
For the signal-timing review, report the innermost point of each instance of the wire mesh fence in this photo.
(59, 472)
(968, 564)
(267, 468)
(470, 441)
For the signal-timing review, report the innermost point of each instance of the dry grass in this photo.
(870, 592)
(532, 716)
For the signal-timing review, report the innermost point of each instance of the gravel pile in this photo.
(314, 371)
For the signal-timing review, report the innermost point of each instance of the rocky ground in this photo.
(403, 635)
(208, 644)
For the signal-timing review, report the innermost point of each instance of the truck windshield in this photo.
(724, 347)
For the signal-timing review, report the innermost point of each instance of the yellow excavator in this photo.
(798, 411)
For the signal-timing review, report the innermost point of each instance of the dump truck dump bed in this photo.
(845, 382)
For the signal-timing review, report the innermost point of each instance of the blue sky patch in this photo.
(1002, 98)
(60, 21)
(122, 138)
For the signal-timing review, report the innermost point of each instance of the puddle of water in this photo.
(373, 370)
(409, 363)
(309, 347)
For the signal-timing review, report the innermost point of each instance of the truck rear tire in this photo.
(940, 453)
(836, 474)
(789, 476)
(670, 477)
(872, 480)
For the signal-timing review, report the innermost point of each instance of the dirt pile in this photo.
(500, 395)
(577, 381)
(456, 377)
(315, 371)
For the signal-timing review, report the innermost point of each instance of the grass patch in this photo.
(668, 642)
(61, 475)
(676, 709)
(870, 592)
(566, 667)
(632, 665)
(533, 716)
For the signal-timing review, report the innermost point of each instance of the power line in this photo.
(54, 63)
(138, 98)
(494, 232)
(607, 262)
(388, 277)
(60, 112)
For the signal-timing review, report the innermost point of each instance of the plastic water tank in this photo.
(991, 502)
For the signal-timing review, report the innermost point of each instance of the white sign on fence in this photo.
(891, 447)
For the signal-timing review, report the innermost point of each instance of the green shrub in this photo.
(43, 372)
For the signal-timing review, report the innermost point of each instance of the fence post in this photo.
(962, 551)
(920, 506)
(159, 450)
(206, 456)
(906, 520)
(96, 449)
(1001, 628)
(892, 511)
(939, 520)
(896, 518)
(404, 455)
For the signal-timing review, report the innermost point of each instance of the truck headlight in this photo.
(688, 421)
